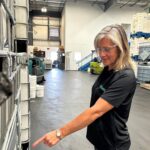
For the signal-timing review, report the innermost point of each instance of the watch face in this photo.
(58, 133)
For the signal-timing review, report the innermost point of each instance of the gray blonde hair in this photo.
(117, 35)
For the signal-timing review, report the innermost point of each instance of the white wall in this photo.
(83, 21)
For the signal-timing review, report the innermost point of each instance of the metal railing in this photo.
(87, 59)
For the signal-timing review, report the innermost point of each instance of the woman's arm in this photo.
(81, 121)
(86, 117)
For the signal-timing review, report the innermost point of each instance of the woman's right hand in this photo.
(50, 139)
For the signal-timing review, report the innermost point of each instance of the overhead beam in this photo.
(125, 3)
(134, 3)
(46, 4)
(37, 5)
(146, 4)
(55, 2)
(148, 7)
(48, 13)
(96, 2)
(107, 5)
(62, 5)
(48, 9)
(102, 7)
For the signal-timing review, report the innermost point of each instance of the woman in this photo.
(111, 98)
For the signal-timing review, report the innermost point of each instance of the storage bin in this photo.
(25, 135)
(24, 107)
(32, 92)
(21, 31)
(22, 3)
(40, 91)
(32, 80)
(25, 121)
(24, 76)
(24, 91)
(21, 14)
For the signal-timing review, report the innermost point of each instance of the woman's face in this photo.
(107, 51)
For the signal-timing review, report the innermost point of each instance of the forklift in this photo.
(95, 67)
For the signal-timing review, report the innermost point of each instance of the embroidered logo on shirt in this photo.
(102, 88)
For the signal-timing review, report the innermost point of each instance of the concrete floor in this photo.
(67, 93)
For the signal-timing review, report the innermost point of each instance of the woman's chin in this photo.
(105, 63)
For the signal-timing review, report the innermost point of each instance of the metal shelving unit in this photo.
(11, 63)
(9, 137)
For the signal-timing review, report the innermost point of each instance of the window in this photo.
(54, 33)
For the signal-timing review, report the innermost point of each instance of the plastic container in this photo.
(25, 135)
(32, 92)
(25, 121)
(40, 91)
(32, 80)
(24, 91)
(24, 107)
(24, 75)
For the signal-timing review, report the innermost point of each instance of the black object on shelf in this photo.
(21, 46)
(25, 146)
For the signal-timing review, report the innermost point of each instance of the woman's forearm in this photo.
(81, 121)
(87, 117)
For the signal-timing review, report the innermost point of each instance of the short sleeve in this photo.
(120, 89)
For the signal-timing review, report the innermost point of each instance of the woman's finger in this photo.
(40, 140)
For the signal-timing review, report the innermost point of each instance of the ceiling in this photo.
(56, 6)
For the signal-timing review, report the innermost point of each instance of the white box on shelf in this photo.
(24, 107)
(40, 90)
(32, 92)
(24, 75)
(32, 80)
(21, 14)
(21, 31)
(25, 135)
(25, 121)
(22, 3)
(24, 91)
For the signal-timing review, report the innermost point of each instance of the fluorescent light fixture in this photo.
(44, 9)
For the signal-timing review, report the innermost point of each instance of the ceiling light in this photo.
(44, 9)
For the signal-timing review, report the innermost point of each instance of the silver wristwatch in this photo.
(58, 134)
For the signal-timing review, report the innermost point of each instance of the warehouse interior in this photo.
(48, 67)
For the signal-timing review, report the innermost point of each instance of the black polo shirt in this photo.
(110, 132)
